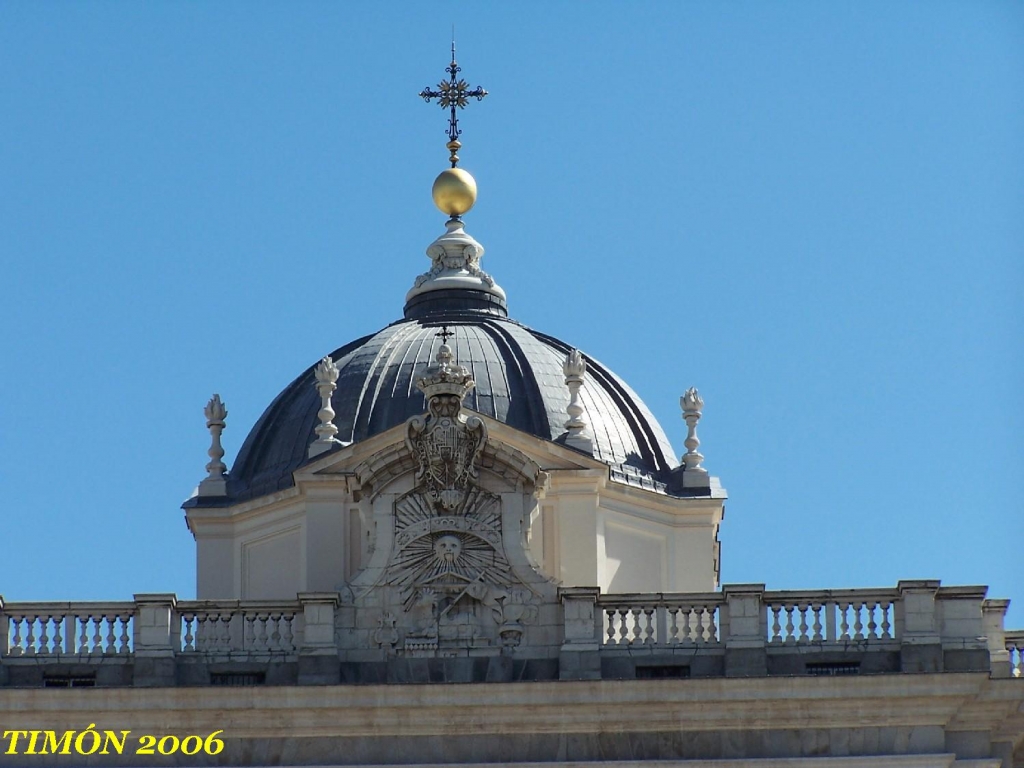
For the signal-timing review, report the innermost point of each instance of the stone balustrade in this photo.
(59, 629)
(217, 628)
(836, 616)
(661, 619)
(744, 630)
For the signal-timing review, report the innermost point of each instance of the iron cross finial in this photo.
(445, 334)
(453, 94)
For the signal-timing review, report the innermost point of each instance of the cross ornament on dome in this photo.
(445, 334)
(453, 94)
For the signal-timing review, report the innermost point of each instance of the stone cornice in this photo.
(539, 707)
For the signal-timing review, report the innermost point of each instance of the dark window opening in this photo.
(238, 678)
(652, 672)
(835, 669)
(69, 681)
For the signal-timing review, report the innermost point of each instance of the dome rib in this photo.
(639, 418)
(265, 462)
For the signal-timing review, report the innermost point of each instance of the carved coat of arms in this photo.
(445, 442)
(455, 586)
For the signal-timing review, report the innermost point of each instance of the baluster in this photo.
(249, 631)
(649, 637)
(197, 632)
(886, 626)
(58, 637)
(623, 628)
(776, 624)
(690, 623)
(200, 637)
(816, 610)
(208, 634)
(187, 619)
(858, 625)
(30, 636)
(635, 628)
(844, 623)
(83, 634)
(225, 621)
(44, 640)
(273, 632)
(270, 632)
(111, 635)
(672, 616)
(211, 632)
(15, 644)
(278, 625)
(609, 626)
(802, 609)
(125, 618)
(287, 638)
(872, 627)
(713, 613)
(97, 638)
(830, 621)
(264, 632)
(211, 628)
(218, 641)
(790, 628)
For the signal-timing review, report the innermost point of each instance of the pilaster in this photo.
(579, 658)
(318, 654)
(917, 626)
(993, 613)
(575, 496)
(961, 628)
(744, 628)
(156, 637)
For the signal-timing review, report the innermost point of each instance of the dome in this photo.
(518, 373)
(519, 381)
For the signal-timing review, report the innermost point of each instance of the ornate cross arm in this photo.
(453, 94)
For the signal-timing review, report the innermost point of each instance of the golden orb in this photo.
(454, 191)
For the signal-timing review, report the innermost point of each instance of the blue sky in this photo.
(810, 211)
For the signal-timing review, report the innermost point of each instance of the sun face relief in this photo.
(447, 548)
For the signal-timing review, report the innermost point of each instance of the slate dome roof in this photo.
(519, 381)
(518, 374)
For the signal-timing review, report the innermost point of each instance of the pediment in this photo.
(511, 455)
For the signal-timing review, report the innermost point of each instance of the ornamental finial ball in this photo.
(454, 191)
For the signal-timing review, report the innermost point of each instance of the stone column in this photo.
(743, 624)
(917, 626)
(318, 653)
(993, 613)
(961, 629)
(579, 658)
(156, 637)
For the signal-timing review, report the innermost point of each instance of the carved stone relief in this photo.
(448, 587)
